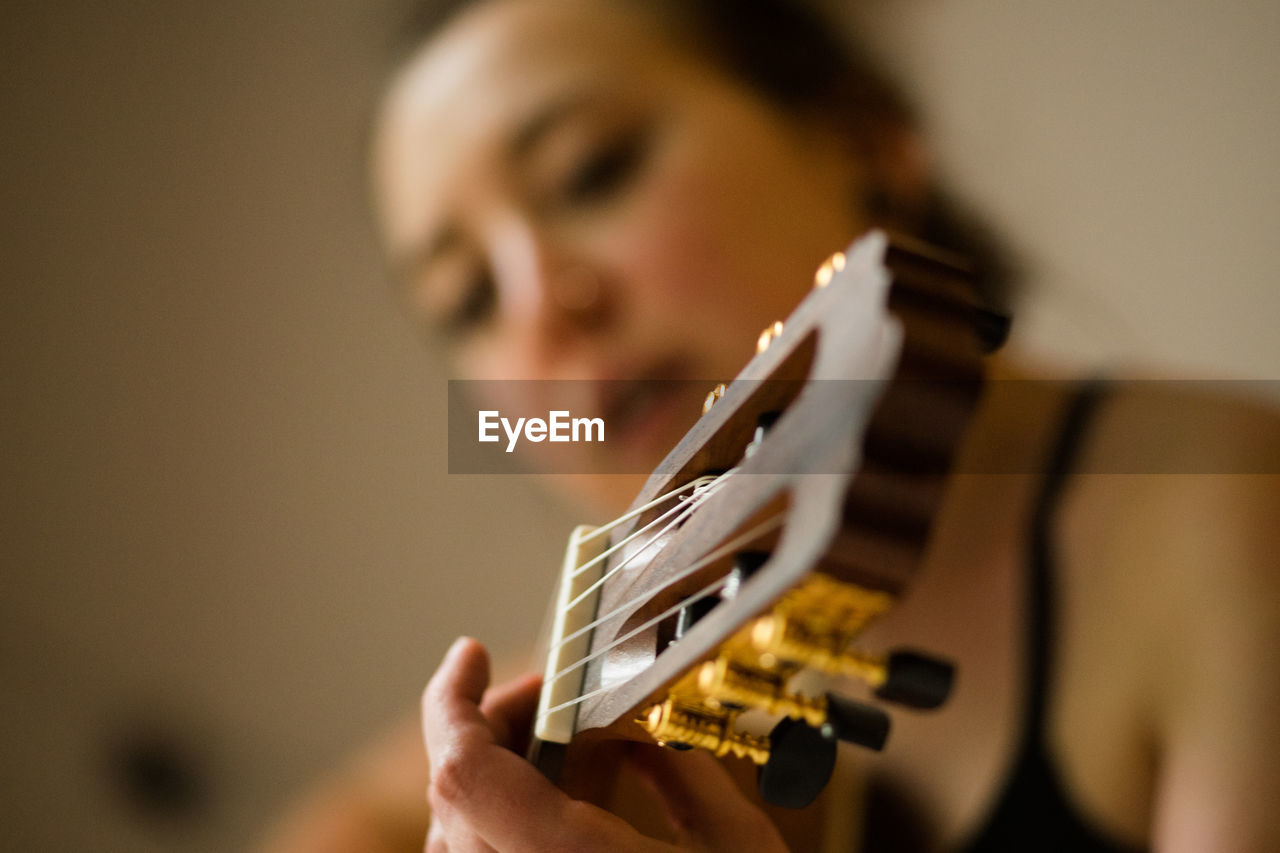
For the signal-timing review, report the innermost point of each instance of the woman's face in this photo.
(569, 193)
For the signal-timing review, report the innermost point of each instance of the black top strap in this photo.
(1041, 593)
(1034, 810)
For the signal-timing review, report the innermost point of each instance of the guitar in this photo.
(791, 516)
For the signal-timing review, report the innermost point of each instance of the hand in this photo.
(486, 797)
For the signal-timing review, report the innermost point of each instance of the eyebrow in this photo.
(533, 129)
(523, 140)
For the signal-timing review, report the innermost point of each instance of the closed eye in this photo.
(605, 171)
(474, 306)
(466, 309)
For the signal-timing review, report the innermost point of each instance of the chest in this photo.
(945, 770)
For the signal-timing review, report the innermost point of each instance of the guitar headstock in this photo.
(791, 516)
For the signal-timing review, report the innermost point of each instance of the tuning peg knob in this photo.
(916, 680)
(801, 759)
(856, 722)
(992, 329)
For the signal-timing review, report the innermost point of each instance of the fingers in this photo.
(451, 718)
(509, 708)
(703, 803)
(455, 691)
(453, 837)
(481, 792)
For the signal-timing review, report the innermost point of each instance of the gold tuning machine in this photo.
(798, 755)
(811, 626)
(685, 725)
(814, 625)
(733, 686)
(725, 682)
(780, 637)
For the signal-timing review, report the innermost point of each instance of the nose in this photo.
(552, 302)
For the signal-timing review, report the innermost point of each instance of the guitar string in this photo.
(699, 595)
(703, 593)
(701, 491)
(600, 531)
(701, 482)
(545, 635)
(578, 600)
(605, 528)
(684, 511)
(688, 510)
(729, 547)
(759, 529)
(682, 514)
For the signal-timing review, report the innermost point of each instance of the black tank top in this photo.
(1034, 811)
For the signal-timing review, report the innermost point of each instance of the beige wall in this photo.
(1127, 149)
(224, 501)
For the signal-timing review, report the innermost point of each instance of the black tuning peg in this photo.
(856, 722)
(916, 680)
(992, 329)
(802, 757)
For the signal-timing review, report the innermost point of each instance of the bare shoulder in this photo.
(1173, 550)
(1178, 498)
(1186, 470)
(1187, 427)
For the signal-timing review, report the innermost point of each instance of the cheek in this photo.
(686, 233)
(489, 358)
(717, 249)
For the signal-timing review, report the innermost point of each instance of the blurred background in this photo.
(229, 550)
